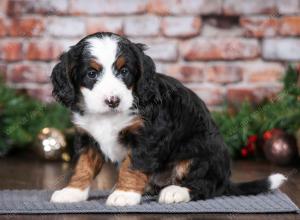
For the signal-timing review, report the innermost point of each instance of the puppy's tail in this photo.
(273, 182)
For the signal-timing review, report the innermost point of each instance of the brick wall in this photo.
(222, 49)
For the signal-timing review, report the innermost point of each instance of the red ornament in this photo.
(267, 135)
(270, 133)
(244, 152)
(251, 148)
(252, 139)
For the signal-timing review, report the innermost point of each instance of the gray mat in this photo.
(37, 202)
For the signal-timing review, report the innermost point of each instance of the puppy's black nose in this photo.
(112, 101)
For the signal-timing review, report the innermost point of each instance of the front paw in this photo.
(69, 195)
(123, 198)
(174, 194)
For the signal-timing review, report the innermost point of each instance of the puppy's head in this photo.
(103, 73)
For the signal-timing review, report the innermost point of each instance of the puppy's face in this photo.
(107, 76)
(99, 74)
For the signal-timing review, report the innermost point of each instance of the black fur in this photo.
(177, 123)
(178, 128)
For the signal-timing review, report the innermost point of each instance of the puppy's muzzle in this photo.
(112, 101)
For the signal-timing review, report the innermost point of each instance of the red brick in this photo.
(3, 7)
(20, 7)
(223, 38)
(29, 73)
(220, 27)
(290, 26)
(163, 50)
(202, 7)
(3, 28)
(66, 27)
(11, 51)
(185, 72)
(111, 7)
(49, 7)
(79, 7)
(211, 95)
(43, 50)
(142, 26)
(259, 26)
(288, 6)
(41, 93)
(253, 94)
(159, 67)
(26, 27)
(241, 94)
(16, 7)
(186, 26)
(223, 73)
(220, 49)
(270, 76)
(286, 49)
(261, 72)
(237, 7)
(98, 24)
(192, 73)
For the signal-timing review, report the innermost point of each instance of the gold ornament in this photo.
(280, 148)
(51, 145)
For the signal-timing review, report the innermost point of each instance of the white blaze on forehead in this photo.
(104, 50)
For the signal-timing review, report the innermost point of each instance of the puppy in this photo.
(158, 132)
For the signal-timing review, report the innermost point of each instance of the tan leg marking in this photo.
(129, 179)
(182, 169)
(130, 186)
(88, 166)
(176, 193)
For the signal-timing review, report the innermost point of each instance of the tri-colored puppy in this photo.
(158, 132)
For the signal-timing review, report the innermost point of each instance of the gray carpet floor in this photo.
(37, 202)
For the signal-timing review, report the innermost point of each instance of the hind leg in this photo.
(177, 191)
(202, 189)
(194, 190)
(206, 179)
(174, 194)
(199, 181)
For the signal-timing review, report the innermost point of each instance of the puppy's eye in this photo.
(92, 74)
(124, 71)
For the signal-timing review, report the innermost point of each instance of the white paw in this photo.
(276, 180)
(123, 198)
(174, 194)
(70, 194)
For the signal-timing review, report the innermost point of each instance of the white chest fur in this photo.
(105, 129)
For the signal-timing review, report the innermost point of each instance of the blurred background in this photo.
(223, 49)
(233, 53)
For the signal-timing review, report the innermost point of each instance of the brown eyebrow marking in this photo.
(120, 62)
(95, 65)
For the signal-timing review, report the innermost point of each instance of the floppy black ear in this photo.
(146, 88)
(63, 88)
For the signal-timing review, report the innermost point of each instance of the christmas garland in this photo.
(22, 118)
(243, 130)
